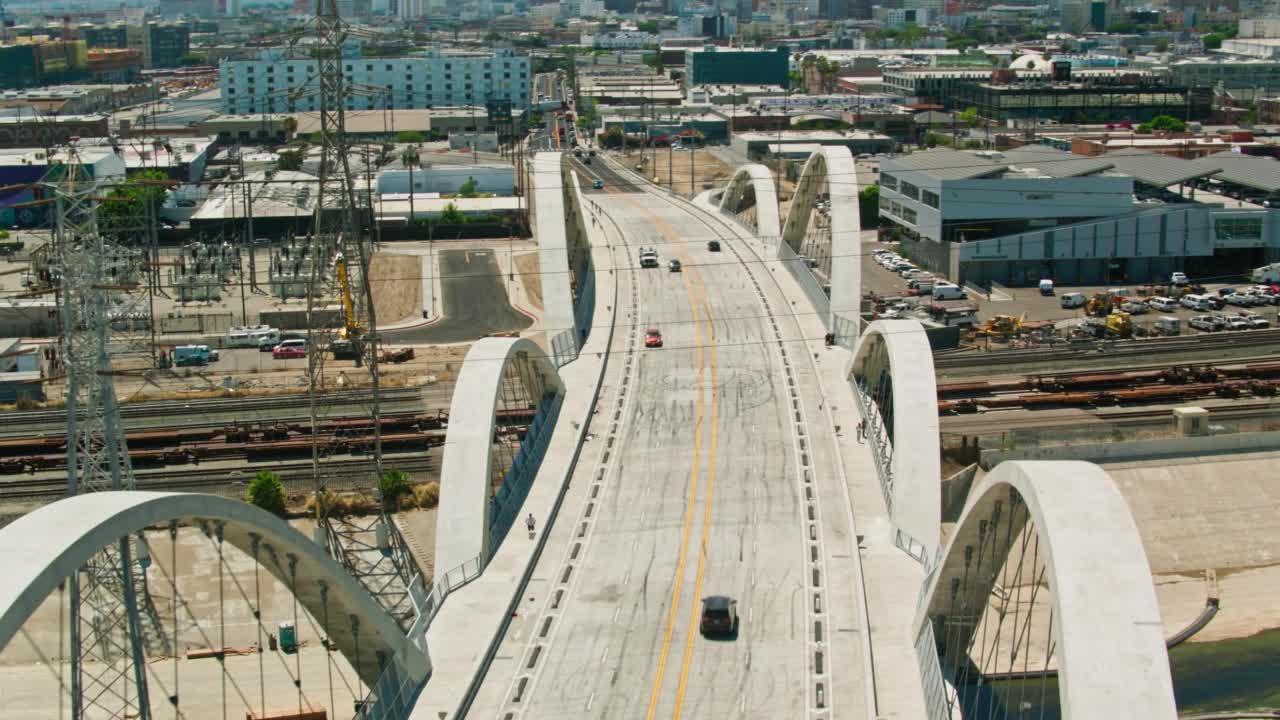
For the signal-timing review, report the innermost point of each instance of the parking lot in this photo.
(1028, 300)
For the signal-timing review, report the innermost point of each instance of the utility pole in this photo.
(98, 276)
(340, 254)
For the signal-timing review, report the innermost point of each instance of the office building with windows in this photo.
(276, 82)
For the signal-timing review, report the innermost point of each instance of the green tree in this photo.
(968, 116)
(315, 138)
(1162, 45)
(613, 137)
(869, 206)
(410, 136)
(911, 35)
(795, 80)
(394, 485)
(468, 188)
(648, 26)
(267, 492)
(290, 160)
(1212, 41)
(934, 139)
(451, 215)
(1165, 123)
(124, 210)
(192, 59)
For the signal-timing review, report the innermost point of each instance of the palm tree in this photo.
(410, 158)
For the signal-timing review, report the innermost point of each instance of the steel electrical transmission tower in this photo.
(370, 548)
(99, 282)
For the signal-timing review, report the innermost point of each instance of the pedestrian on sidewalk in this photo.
(529, 523)
(862, 431)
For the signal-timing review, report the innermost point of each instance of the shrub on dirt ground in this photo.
(394, 485)
(267, 492)
(324, 499)
(427, 496)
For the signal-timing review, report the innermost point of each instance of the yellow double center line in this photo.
(699, 309)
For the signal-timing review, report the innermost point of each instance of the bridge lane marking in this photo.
(673, 610)
(711, 485)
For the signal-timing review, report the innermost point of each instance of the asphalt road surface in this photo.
(476, 304)
(703, 500)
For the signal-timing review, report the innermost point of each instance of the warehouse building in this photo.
(1036, 212)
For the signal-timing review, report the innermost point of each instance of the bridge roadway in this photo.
(703, 497)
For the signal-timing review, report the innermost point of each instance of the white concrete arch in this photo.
(41, 549)
(759, 180)
(835, 165)
(557, 232)
(892, 367)
(462, 528)
(1108, 636)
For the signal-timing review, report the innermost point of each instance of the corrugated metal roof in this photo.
(947, 164)
(1054, 162)
(1159, 170)
(1255, 172)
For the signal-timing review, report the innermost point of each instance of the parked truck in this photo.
(1268, 274)
(185, 355)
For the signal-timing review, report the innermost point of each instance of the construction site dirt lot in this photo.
(529, 265)
(248, 372)
(397, 286)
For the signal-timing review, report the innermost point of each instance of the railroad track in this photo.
(1006, 421)
(170, 407)
(1163, 384)
(295, 475)
(1114, 349)
(23, 423)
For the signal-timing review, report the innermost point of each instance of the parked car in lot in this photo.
(1178, 278)
(719, 615)
(290, 349)
(1135, 307)
(1072, 300)
(1167, 326)
(1254, 320)
(947, 291)
(1240, 300)
(1236, 322)
(1205, 323)
(1163, 304)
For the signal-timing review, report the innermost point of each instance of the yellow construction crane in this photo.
(351, 327)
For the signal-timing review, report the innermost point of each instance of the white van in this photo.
(947, 291)
(1163, 304)
(1072, 300)
(247, 336)
(266, 339)
(1197, 302)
